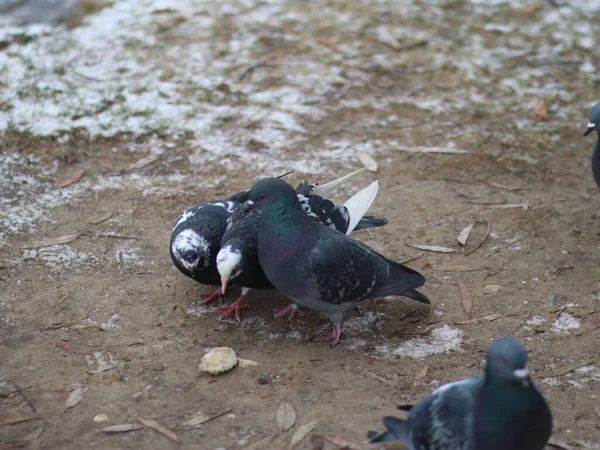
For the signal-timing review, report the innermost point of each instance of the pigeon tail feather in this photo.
(402, 280)
(324, 190)
(359, 203)
(371, 222)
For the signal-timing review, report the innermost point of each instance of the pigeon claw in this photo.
(333, 336)
(234, 308)
(211, 296)
(290, 311)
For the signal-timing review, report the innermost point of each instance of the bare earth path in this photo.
(162, 106)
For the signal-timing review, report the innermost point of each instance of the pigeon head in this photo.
(594, 123)
(506, 360)
(230, 263)
(191, 250)
(270, 190)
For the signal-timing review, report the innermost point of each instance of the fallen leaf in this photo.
(16, 419)
(528, 11)
(541, 113)
(589, 325)
(285, 417)
(597, 410)
(103, 368)
(455, 267)
(76, 395)
(54, 241)
(483, 239)
(244, 363)
(510, 206)
(328, 43)
(422, 373)
(467, 301)
(564, 369)
(432, 248)
(259, 445)
(302, 431)
(158, 427)
(492, 288)
(73, 348)
(101, 217)
(143, 162)
(482, 319)
(71, 179)
(558, 444)
(463, 236)
(344, 444)
(403, 148)
(367, 161)
(123, 427)
(33, 435)
(196, 419)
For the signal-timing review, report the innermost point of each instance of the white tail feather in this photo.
(324, 190)
(359, 204)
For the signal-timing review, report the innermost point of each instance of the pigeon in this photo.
(237, 261)
(319, 267)
(594, 125)
(499, 410)
(196, 240)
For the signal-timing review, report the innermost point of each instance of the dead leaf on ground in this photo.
(510, 206)
(158, 427)
(455, 267)
(417, 149)
(76, 394)
(285, 416)
(368, 161)
(245, 363)
(422, 373)
(432, 248)
(597, 410)
(123, 427)
(589, 325)
(482, 240)
(541, 111)
(467, 301)
(564, 369)
(102, 217)
(463, 236)
(35, 434)
(54, 241)
(71, 179)
(73, 348)
(260, 445)
(9, 420)
(342, 443)
(143, 162)
(327, 42)
(559, 444)
(103, 368)
(196, 419)
(482, 319)
(302, 431)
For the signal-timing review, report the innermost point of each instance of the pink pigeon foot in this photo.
(235, 307)
(290, 311)
(211, 296)
(333, 336)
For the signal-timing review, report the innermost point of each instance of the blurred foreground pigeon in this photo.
(594, 125)
(318, 267)
(237, 261)
(499, 410)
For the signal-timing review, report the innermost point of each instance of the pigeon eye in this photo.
(504, 360)
(263, 196)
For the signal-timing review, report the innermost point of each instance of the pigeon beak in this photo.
(521, 373)
(224, 282)
(590, 127)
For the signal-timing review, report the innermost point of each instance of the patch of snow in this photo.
(61, 257)
(536, 320)
(440, 340)
(565, 322)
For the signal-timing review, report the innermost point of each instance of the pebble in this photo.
(101, 418)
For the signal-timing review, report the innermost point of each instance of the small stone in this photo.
(263, 380)
(101, 418)
(492, 288)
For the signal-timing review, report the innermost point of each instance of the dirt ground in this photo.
(106, 313)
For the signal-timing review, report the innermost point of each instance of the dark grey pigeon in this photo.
(319, 267)
(499, 410)
(594, 125)
(237, 260)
